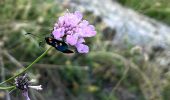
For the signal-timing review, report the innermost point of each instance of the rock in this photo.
(129, 25)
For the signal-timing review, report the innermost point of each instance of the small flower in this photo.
(23, 84)
(39, 87)
(73, 29)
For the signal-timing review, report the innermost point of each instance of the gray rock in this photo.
(130, 26)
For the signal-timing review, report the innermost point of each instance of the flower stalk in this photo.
(24, 70)
(7, 88)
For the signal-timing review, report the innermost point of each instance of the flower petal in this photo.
(78, 14)
(86, 30)
(84, 23)
(58, 33)
(39, 87)
(25, 94)
(71, 39)
(89, 31)
(61, 20)
(80, 40)
(82, 48)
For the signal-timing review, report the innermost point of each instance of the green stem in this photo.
(28, 67)
(7, 88)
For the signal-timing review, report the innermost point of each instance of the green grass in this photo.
(157, 9)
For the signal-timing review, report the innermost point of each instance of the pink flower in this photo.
(72, 29)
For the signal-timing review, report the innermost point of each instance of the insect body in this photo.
(59, 45)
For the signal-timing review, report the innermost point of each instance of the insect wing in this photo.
(63, 47)
(67, 51)
(59, 45)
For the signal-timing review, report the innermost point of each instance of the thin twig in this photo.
(12, 59)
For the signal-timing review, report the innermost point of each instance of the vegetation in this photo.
(106, 73)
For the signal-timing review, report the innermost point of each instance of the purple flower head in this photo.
(23, 83)
(73, 29)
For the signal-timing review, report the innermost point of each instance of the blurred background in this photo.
(129, 58)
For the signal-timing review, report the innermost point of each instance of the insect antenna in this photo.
(41, 43)
(32, 35)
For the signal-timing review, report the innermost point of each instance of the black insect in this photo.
(59, 45)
